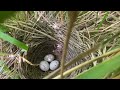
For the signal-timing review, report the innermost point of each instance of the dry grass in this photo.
(32, 28)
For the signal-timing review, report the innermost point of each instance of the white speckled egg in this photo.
(44, 66)
(54, 65)
(49, 58)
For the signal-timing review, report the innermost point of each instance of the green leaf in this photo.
(101, 70)
(13, 41)
(6, 14)
(3, 16)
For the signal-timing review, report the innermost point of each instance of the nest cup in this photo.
(40, 47)
(35, 55)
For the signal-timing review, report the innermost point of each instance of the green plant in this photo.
(99, 34)
(3, 16)
(4, 69)
(102, 70)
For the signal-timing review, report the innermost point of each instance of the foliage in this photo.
(97, 31)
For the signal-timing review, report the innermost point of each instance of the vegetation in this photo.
(90, 44)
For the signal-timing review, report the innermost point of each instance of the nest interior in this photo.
(36, 54)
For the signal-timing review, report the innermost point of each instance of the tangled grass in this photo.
(32, 27)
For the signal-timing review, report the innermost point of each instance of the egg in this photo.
(44, 65)
(49, 58)
(54, 65)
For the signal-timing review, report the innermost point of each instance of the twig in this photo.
(6, 54)
(29, 62)
(72, 16)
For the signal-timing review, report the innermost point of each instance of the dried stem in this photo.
(72, 16)
(88, 62)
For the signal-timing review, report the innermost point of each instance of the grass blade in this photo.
(102, 69)
(13, 41)
(88, 62)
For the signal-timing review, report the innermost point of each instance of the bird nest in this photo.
(44, 44)
(35, 31)
(36, 54)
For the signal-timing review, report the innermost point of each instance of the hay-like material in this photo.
(45, 46)
(83, 37)
(40, 45)
(36, 54)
